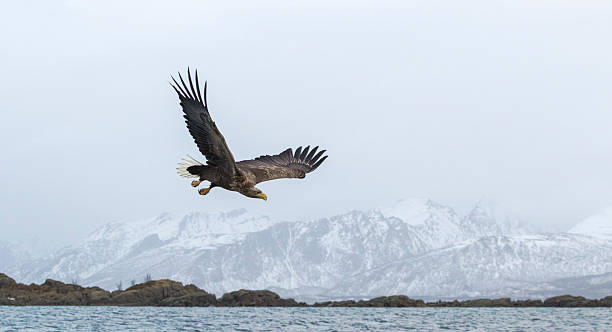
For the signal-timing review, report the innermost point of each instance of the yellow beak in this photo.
(263, 196)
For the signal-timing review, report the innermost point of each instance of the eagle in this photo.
(221, 169)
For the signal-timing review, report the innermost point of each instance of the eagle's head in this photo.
(254, 193)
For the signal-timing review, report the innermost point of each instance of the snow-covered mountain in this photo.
(516, 266)
(414, 247)
(94, 259)
(483, 220)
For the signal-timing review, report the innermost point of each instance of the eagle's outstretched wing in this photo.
(201, 126)
(284, 165)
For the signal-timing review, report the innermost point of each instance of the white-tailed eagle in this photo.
(221, 170)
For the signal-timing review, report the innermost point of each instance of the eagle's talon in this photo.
(195, 183)
(204, 191)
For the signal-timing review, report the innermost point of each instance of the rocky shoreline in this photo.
(168, 293)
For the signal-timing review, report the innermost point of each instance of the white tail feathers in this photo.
(186, 163)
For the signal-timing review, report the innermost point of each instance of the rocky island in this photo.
(174, 294)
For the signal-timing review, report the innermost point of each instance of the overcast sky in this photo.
(453, 101)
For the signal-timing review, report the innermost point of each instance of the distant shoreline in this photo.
(168, 293)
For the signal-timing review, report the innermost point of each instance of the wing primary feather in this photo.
(205, 86)
(175, 89)
(191, 84)
(198, 86)
(206, 135)
(317, 156)
(309, 156)
(298, 151)
(315, 166)
(287, 164)
(304, 153)
(179, 87)
(185, 86)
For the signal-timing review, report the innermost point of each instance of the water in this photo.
(303, 319)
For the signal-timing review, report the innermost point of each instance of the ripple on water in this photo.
(302, 319)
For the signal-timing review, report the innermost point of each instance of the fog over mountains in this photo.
(415, 247)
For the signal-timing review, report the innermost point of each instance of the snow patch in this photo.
(599, 225)
(414, 212)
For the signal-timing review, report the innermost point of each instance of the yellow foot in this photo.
(204, 191)
(195, 183)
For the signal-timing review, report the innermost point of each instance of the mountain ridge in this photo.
(332, 256)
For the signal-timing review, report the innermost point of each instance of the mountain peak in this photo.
(416, 211)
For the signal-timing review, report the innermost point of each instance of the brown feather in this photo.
(283, 165)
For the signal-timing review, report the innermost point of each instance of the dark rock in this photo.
(349, 303)
(391, 301)
(256, 298)
(528, 303)
(503, 302)
(152, 293)
(383, 301)
(53, 283)
(606, 301)
(172, 293)
(6, 281)
(51, 292)
(440, 303)
(569, 301)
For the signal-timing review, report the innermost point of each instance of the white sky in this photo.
(454, 101)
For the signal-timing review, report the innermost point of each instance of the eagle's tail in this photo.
(189, 167)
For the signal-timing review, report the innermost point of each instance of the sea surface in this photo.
(303, 319)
